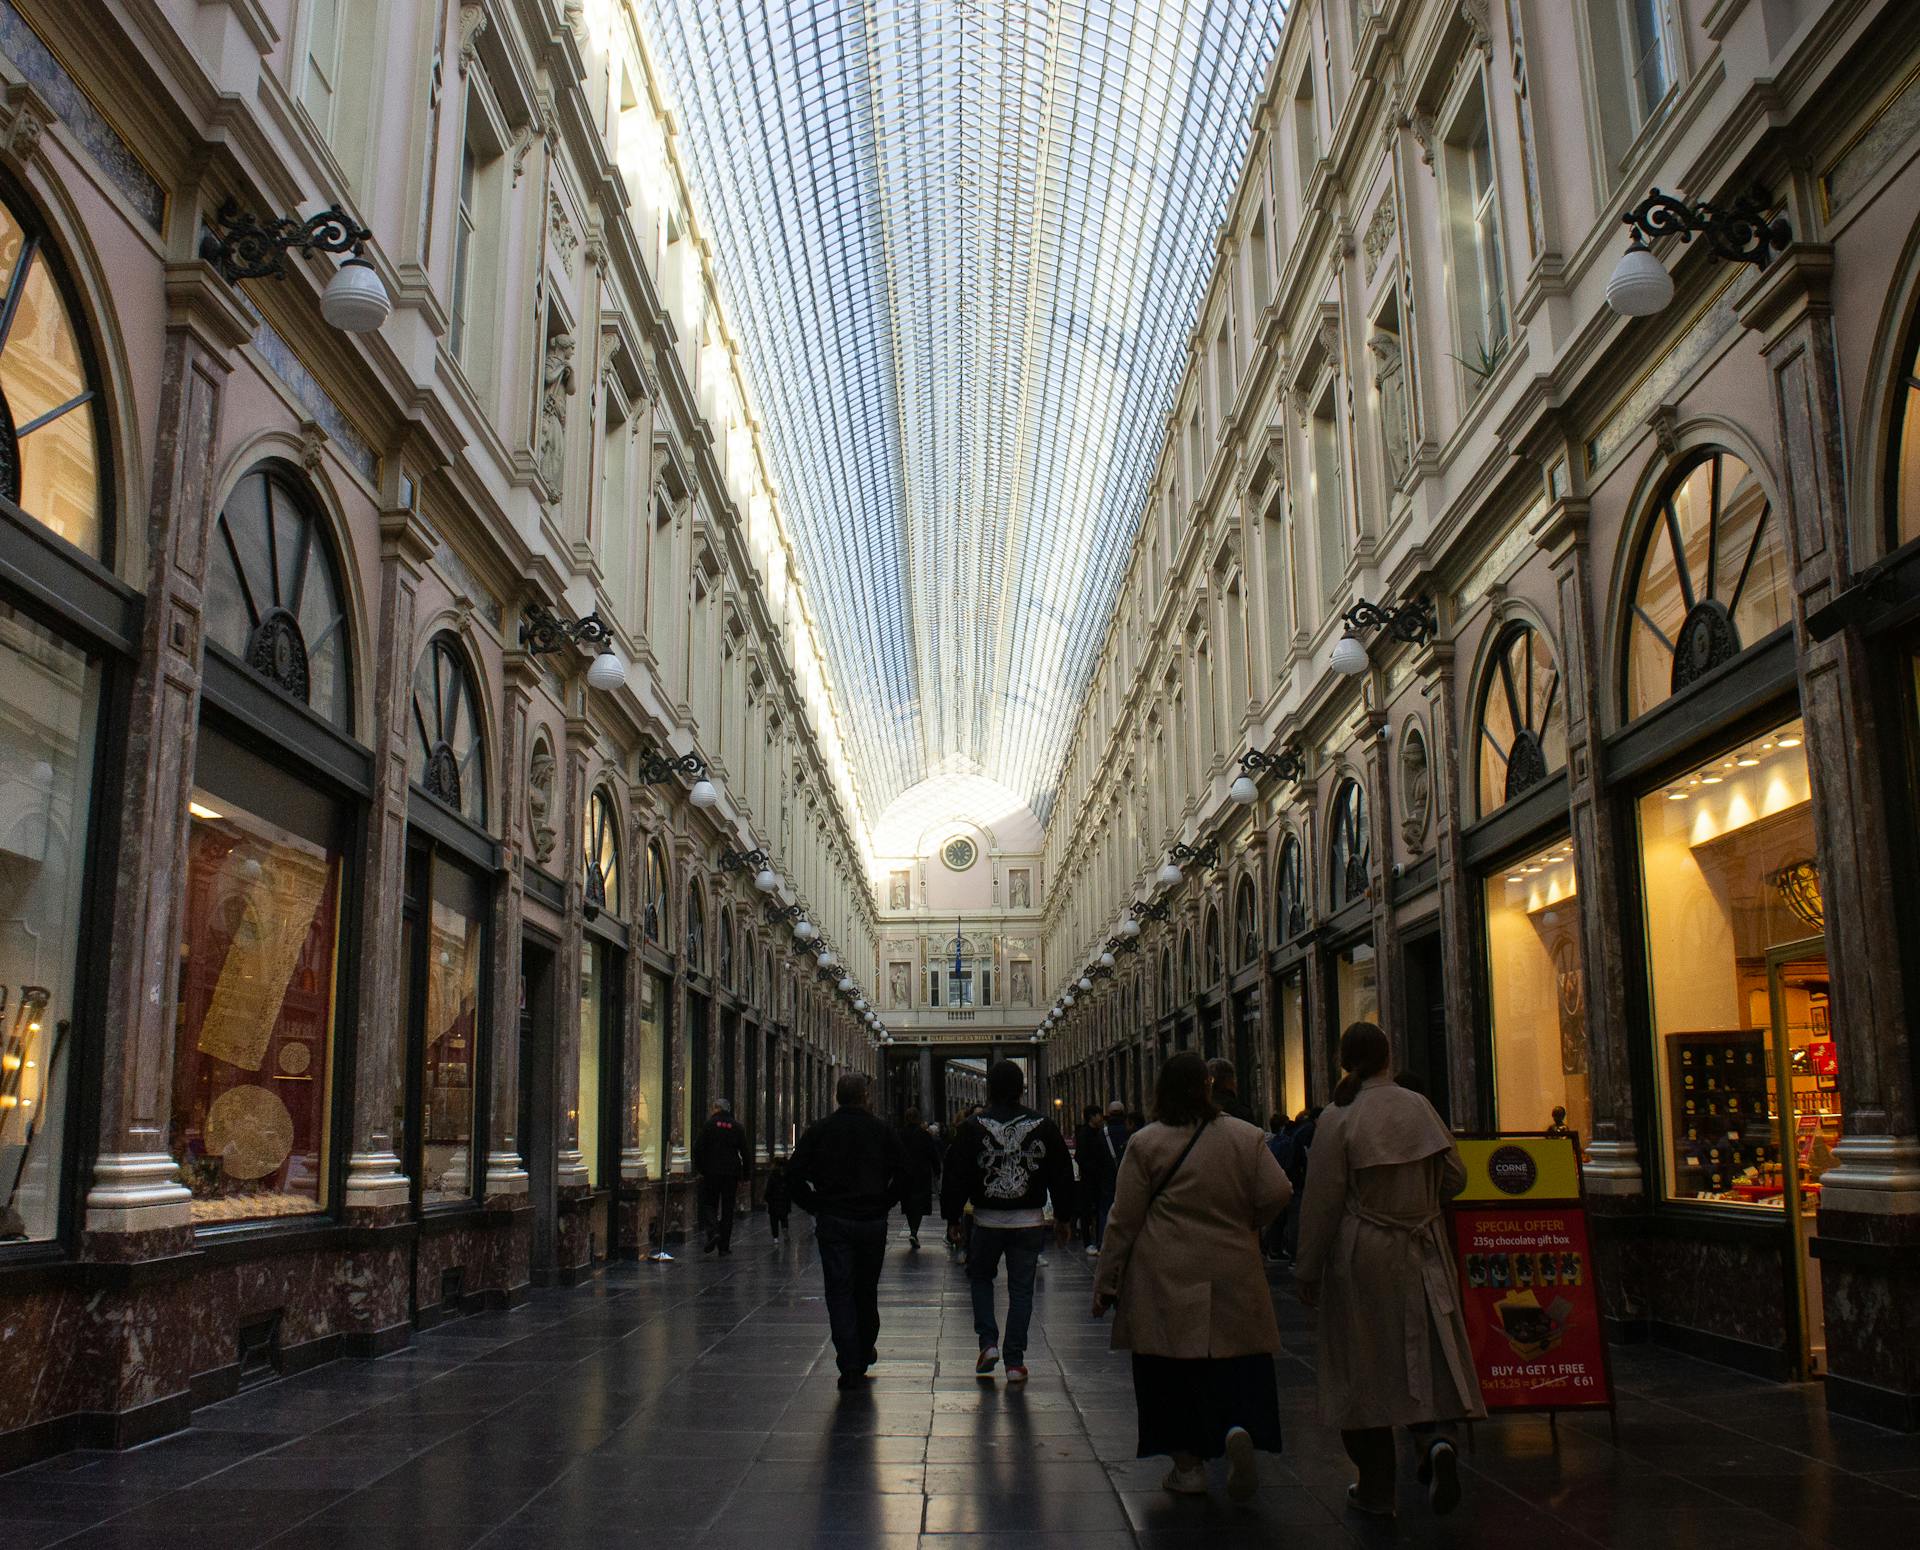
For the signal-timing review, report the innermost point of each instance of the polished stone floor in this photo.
(693, 1404)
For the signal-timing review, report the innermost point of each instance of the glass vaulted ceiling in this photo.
(962, 242)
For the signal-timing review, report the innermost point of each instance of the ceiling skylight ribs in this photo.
(962, 242)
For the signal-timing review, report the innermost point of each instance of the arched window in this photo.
(51, 454)
(1290, 892)
(1246, 917)
(602, 842)
(696, 929)
(1186, 965)
(1710, 579)
(1349, 846)
(1216, 959)
(1903, 467)
(1166, 982)
(449, 755)
(655, 922)
(1523, 731)
(726, 947)
(274, 597)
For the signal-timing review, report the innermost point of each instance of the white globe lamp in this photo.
(1106, 960)
(846, 984)
(1349, 656)
(704, 794)
(803, 931)
(1639, 285)
(355, 301)
(608, 672)
(1085, 983)
(1129, 928)
(1169, 875)
(1244, 791)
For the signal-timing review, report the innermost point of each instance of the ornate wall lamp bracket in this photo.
(542, 631)
(1739, 231)
(243, 248)
(777, 916)
(1288, 763)
(1150, 911)
(1100, 972)
(656, 771)
(1123, 944)
(1207, 855)
(1415, 621)
(732, 860)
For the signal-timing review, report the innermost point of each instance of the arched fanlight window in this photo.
(1710, 579)
(1216, 959)
(51, 456)
(1349, 846)
(1186, 965)
(274, 597)
(1166, 982)
(1523, 730)
(1246, 917)
(655, 922)
(602, 852)
(696, 928)
(448, 759)
(726, 947)
(1290, 892)
(1903, 467)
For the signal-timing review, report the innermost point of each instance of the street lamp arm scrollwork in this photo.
(1739, 231)
(655, 771)
(732, 860)
(1207, 855)
(541, 631)
(243, 248)
(1415, 621)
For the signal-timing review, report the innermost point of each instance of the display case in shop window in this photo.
(1722, 1110)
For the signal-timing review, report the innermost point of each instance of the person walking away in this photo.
(1280, 1143)
(1375, 1262)
(847, 1172)
(1182, 1269)
(779, 1200)
(1007, 1164)
(922, 1167)
(719, 1158)
(1114, 1136)
(1091, 1162)
(1226, 1090)
(1296, 1164)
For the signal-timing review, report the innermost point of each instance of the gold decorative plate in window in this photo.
(959, 853)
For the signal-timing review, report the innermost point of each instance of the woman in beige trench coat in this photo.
(1375, 1261)
(1181, 1262)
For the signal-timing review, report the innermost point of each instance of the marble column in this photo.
(570, 1170)
(1613, 1163)
(506, 1181)
(376, 1178)
(136, 1186)
(1460, 984)
(1389, 982)
(1869, 1219)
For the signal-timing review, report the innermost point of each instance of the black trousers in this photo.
(851, 1254)
(717, 1201)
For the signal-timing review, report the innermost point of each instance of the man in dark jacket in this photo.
(720, 1157)
(1226, 1090)
(1096, 1175)
(847, 1171)
(922, 1155)
(1007, 1163)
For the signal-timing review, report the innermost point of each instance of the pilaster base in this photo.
(137, 1192)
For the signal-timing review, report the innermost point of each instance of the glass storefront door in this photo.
(1803, 1095)
(1291, 1080)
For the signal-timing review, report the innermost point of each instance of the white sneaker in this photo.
(1242, 1477)
(1186, 1482)
(1094, 1250)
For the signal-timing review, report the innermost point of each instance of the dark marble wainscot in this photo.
(477, 1259)
(1870, 1289)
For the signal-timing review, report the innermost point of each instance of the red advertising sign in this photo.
(1532, 1308)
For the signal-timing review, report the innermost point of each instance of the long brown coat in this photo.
(1187, 1279)
(1374, 1250)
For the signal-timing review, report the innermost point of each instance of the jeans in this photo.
(851, 1254)
(1022, 1247)
(718, 1200)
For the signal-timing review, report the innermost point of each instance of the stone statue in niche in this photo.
(1416, 789)
(1019, 889)
(1020, 982)
(540, 803)
(897, 891)
(899, 986)
(1390, 378)
(556, 387)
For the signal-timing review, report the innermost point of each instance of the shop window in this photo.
(1166, 983)
(1349, 846)
(1293, 1043)
(1246, 914)
(447, 952)
(49, 703)
(50, 454)
(696, 929)
(259, 952)
(726, 948)
(448, 755)
(656, 901)
(746, 964)
(650, 1067)
(274, 597)
(1744, 1058)
(1905, 464)
(1186, 967)
(1538, 993)
(1216, 960)
(1711, 579)
(1523, 732)
(601, 840)
(1290, 893)
(600, 998)
(1356, 986)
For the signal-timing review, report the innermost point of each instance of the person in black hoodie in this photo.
(923, 1167)
(847, 1171)
(779, 1199)
(1096, 1173)
(720, 1157)
(1007, 1163)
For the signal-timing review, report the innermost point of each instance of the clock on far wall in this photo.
(959, 853)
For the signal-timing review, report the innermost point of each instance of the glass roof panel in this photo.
(962, 242)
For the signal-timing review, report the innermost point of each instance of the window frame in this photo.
(1349, 819)
(1498, 678)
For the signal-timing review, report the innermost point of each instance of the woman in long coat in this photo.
(1375, 1261)
(1181, 1263)
(923, 1167)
